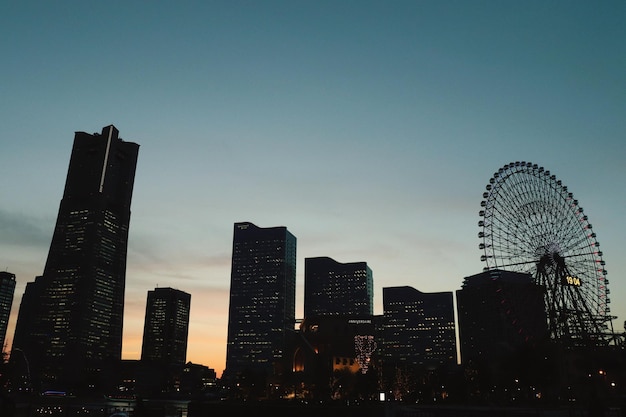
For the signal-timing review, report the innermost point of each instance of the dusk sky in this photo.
(368, 128)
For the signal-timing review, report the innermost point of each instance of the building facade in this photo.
(7, 290)
(71, 317)
(261, 314)
(337, 289)
(418, 328)
(331, 353)
(166, 326)
(500, 314)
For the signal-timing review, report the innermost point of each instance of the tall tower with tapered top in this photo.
(70, 321)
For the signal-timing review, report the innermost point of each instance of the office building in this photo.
(71, 317)
(337, 289)
(7, 289)
(261, 314)
(500, 314)
(166, 326)
(418, 328)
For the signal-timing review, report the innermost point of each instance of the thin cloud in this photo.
(178, 266)
(19, 229)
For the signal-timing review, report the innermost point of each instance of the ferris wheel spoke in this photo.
(517, 264)
(505, 212)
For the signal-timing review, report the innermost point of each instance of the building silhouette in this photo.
(7, 290)
(338, 321)
(334, 288)
(166, 326)
(418, 328)
(261, 314)
(330, 356)
(70, 321)
(500, 314)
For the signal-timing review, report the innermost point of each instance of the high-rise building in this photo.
(500, 313)
(261, 314)
(7, 289)
(333, 289)
(71, 317)
(418, 328)
(166, 326)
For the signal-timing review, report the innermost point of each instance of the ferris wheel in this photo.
(531, 223)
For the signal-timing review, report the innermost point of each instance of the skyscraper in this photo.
(71, 317)
(261, 314)
(166, 326)
(7, 289)
(333, 288)
(418, 328)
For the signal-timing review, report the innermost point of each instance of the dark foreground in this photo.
(388, 409)
(165, 408)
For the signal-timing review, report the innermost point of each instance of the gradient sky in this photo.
(368, 128)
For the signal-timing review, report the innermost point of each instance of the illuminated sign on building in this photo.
(359, 321)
